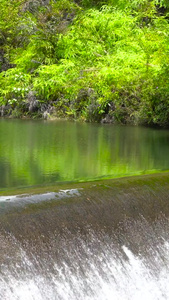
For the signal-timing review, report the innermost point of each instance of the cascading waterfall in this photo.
(102, 241)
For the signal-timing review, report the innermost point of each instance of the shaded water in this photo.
(105, 240)
(38, 152)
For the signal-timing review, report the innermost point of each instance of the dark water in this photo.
(38, 152)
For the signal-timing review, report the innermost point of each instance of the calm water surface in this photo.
(43, 152)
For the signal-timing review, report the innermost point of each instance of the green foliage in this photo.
(162, 3)
(9, 18)
(89, 58)
(14, 86)
(51, 81)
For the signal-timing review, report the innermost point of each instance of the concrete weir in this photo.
(97, 240)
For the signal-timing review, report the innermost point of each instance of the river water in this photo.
(42, 152)
(103, 240)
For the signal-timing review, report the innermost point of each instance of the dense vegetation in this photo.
(91, 60)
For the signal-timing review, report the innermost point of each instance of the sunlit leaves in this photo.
(90, 56)
(14, 85)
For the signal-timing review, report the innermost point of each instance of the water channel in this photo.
(70, 227)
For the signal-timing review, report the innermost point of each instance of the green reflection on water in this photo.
(43, 152)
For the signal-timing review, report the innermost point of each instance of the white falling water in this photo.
(95, 270)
